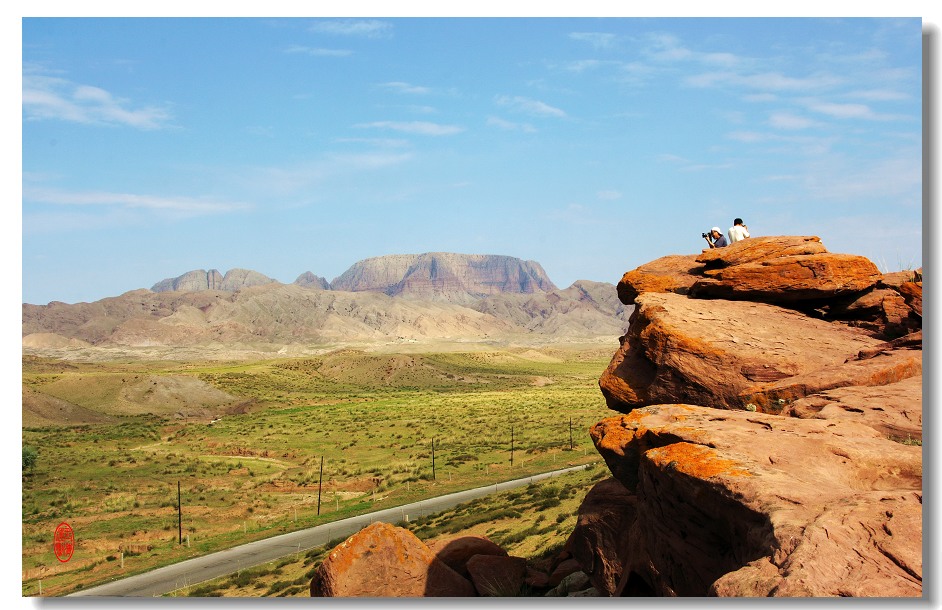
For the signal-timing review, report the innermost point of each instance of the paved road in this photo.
(199, 569)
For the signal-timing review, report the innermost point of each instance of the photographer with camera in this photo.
(715, 238)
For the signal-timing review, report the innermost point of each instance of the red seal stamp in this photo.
(64, 542)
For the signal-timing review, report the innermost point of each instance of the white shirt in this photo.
(737, 233)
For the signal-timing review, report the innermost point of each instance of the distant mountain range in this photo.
(397, 298)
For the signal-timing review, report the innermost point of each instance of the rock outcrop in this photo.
(309, 280)
(770, 439)
(194, 281)
(739, 503)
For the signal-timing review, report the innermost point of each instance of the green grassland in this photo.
(244, 441)
(531, 522)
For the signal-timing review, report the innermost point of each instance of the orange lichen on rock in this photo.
(694, 460)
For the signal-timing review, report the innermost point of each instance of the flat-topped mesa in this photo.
(445, 276)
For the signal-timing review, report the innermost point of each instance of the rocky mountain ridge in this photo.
(437, 276)
(404, 298)
(768, 442)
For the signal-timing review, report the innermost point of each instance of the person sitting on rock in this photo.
(715, 238)
(738, 231)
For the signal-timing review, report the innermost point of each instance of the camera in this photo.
(704, 235)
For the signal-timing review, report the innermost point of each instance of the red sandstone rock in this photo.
(894, 410)
(497, 576)
(456, 552)
(536, 579)
(386, 561)
(675, 273)
(896, 278)
(564, 569)
(738, 503)
(912, 293)
(728, 354)
(757, 249)
(600, 537)
(789, 279)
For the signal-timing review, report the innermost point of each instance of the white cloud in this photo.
(400, 87)
(879, 95)
(318, 52)
(369, 28)
(509, 125)
(666, 47)
(46, 97)
(378, 142)
(598, 40)
(190, 206)
(417, 127)
(529, 106)
(845, 111)
(608, 195)
(765, 81)
(787, 120)
(760, 97)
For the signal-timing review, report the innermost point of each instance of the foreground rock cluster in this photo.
(768, 443)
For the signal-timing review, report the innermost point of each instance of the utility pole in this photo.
(570, 434)
(320, 482)
(433, 458)
(511, 446)
(179, 514)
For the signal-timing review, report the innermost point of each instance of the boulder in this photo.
(497, 575)
(562, 570)
(386, 561)
(894, 410)
(576, 584)
(739, 503)
(757, 249)
(730, 354)
(912, 294)
(456, 552)
(675, 273)
(789, 279)
(600, 537)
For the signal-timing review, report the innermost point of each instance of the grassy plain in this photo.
(244, 442)
(531, 522)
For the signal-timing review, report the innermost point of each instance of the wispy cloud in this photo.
(529, 106)
(764, 81)
(879, 95)
(400, 87)
(848, 111)
(368, 28)
(378, 142)
(584, 65)
(48, 97)
(301, 177)
(787, 120)
(416, 127)
(318, 52)
(608, 195)
(190, 206)
(510, 125)
(598, 40)
(897, 180)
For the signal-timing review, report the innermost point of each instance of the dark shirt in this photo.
(720, 242)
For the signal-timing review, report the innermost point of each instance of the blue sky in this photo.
(151, 146)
